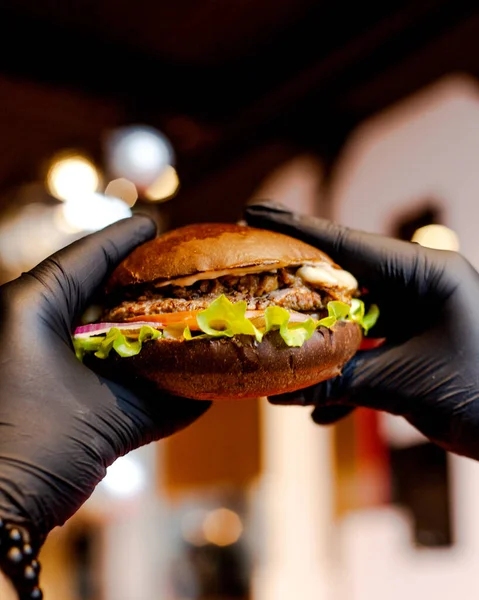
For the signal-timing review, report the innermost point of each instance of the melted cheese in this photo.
(326, 275)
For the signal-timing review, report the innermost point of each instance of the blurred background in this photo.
(188, 110)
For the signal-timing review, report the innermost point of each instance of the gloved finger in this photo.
(327, 415)
(323, 414)
(368, 379)
(133, 416)
(389, 379)
(75, 272)
(296, 398)
(369, 256)
(156, 416)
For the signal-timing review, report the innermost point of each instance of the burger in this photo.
(221, 311)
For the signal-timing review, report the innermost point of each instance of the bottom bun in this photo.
(234, 368)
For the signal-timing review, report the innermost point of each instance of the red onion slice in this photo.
(91, 329)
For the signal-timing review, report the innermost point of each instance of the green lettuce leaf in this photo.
(189, 336)
(327, 321)
(370, 318)
(294, 334)
(340, 311)
(223, 318)
(115, 340)
(83, 345)
(357, 310)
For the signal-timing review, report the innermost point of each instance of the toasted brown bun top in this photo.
(210, 247)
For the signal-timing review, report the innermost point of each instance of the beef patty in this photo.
(259, 290)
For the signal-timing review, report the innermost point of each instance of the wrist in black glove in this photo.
(61, 425)
(428, 369)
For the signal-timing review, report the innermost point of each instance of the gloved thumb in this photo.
(73, 274)
(370, 257)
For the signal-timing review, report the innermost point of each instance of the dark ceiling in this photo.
(222, 77)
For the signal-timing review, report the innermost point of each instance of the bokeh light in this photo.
(72, 177)
(123, 189)
(94, 212)
(222, 527)
(138, 153)
(165, 186)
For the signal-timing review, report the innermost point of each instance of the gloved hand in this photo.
(61, 425)
(428, 369)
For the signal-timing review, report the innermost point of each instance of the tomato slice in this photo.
(184, 318)
(371, 343)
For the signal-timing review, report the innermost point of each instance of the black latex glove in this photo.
(61, 425)
(428, 370)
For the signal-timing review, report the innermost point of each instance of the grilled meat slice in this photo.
(259, 290)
